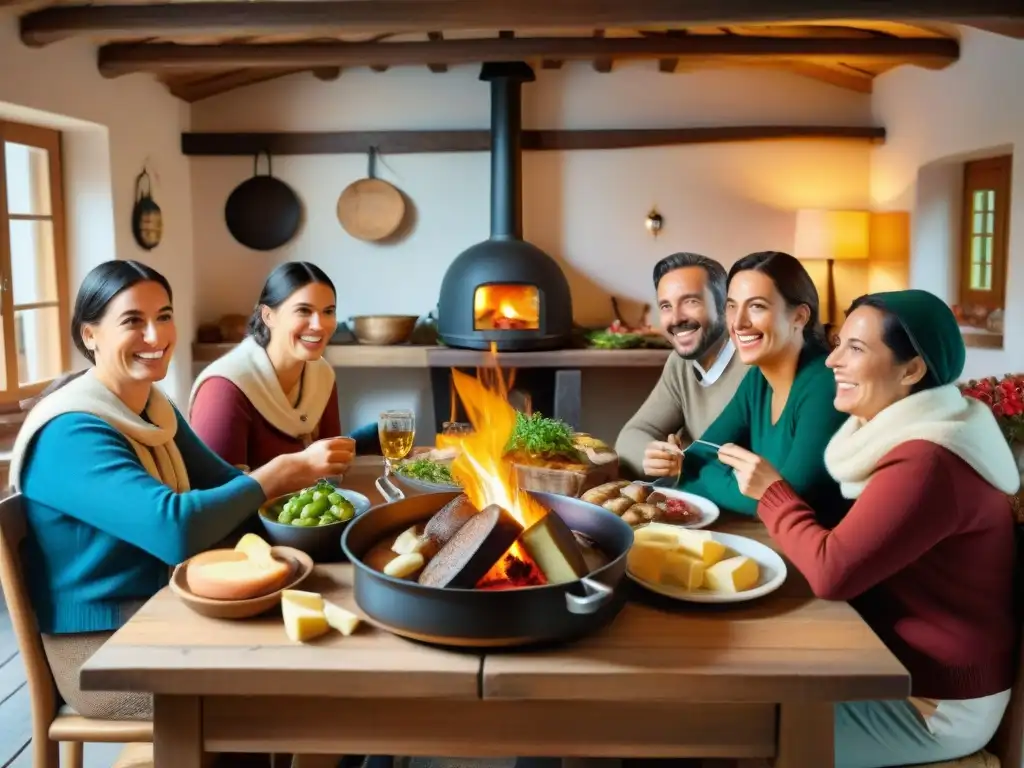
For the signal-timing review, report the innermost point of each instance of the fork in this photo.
(681, 452)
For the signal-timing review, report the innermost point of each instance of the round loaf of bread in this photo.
(226, 574)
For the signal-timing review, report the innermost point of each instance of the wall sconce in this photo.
(654, 222)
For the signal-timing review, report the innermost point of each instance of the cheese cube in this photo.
(344, 621)
(735, 574)
(647, 558)
(701, 544)
(682, 570)
(551, 544)
(301, 621)
(404, 566)
(653, 533)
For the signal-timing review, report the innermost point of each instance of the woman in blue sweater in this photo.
(117, 487)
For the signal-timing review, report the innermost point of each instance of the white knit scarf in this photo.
(248, 367)
(153, 440)
(941, 415)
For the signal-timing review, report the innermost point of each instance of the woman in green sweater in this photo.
(783, 409)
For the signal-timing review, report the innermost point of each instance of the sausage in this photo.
(618, 505)
(648, 512)
(632, 518)
(601, 493)
(637, 492)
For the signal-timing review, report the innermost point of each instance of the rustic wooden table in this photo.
(665, 679)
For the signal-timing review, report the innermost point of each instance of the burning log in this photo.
(473, 550)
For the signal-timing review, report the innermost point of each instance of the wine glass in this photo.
(396, 430)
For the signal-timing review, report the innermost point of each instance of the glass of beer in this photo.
(396, 430)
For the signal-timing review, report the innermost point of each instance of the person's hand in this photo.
(753, 473)
(663, 458)
(327, 457)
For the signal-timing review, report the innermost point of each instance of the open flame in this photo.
(506, 307)
(488, 477)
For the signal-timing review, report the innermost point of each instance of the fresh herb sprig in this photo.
(539, 436)
(428, 471)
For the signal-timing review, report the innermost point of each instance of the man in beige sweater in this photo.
(698, 381)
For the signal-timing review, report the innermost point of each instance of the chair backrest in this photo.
(1008, 743)
(41, 687)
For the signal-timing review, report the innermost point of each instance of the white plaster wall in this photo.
(936, 120)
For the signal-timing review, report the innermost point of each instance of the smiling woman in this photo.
(274, 393)
(115, 484)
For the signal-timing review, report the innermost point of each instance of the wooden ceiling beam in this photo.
(131, 21)
(224, 82)
(126, 58)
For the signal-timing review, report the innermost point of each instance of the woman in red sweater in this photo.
(927, 552)
(273, 393)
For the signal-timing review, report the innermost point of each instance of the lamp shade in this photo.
(838, 235)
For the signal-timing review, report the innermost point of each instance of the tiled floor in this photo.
(15, 722)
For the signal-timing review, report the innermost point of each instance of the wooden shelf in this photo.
(978, 338)
(409, 356)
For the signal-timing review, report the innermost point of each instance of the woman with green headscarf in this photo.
(927, 553)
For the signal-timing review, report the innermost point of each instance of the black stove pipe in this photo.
(506, 79)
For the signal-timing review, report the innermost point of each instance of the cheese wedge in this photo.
(682, 569)
(735, 574)
(311, 600)
(701, 544)
(414, 541)
(302, 623)
(647, 558)
(254, 547)
(344, 621)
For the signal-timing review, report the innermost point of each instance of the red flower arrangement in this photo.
(1005, 397)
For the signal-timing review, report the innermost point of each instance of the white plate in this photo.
(772, 566)
(708, 509)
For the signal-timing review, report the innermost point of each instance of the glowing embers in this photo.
(506, 307)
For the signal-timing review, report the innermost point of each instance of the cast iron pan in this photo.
(263, 213)
(499, 619)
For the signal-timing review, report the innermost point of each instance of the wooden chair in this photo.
(52, 726)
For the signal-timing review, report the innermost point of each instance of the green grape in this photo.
(310, 511)
(286, 517)
(344, 510)
(306, 497)
(327, 519)
(335, 498)
(305, 522)
(321, 505)
(318, 494)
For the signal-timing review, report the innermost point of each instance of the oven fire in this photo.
(506, 308)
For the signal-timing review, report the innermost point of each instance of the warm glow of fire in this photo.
(486, 475)
(508, 307)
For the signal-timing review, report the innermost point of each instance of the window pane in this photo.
(991, 204)
(986, 283)
(33, 263)
(28, 179)
(988, 250)
(38, 335)
(990, 222)
(975, 277)
(977, 250)
(979, 224)
(979, 200)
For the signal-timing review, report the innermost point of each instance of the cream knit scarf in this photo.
(941, 415)
(248, 367)
(153, 440)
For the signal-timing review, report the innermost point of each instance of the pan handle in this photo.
(597, 596)
(388, 490)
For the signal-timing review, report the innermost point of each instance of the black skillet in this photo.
(263, 213)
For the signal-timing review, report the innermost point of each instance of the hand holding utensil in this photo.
(663, 458)
(754, 474)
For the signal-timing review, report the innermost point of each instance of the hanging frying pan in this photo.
(263, 213)
(371, 208)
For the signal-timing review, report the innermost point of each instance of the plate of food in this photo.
(430, 471)
(699, 566)
(641, 503)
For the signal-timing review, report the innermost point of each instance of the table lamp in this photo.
(832, 236)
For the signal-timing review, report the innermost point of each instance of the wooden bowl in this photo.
(301, 565)
(383, 329)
